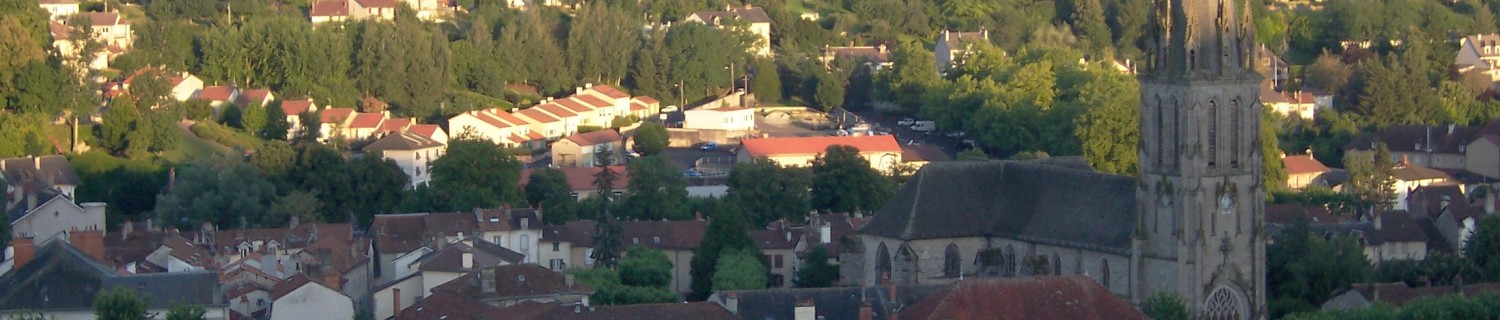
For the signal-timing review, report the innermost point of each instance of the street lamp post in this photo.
(731, 77)
(681, 98)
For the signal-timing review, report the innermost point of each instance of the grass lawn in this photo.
(189, 148)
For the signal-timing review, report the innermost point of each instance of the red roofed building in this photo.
(293, 110)
(1290, 104)
(579, 150)
(1065, 297)
(261, 96)
(329, 11)
(883, 152)
(373, 9)
(217, 96)
(333, 122)
(581, 180)
(365, 125)
(1303, 171)
(110, 29)
(496, 125)
(431, 131)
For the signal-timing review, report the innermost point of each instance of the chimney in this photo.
(569, 280)
(126, 228)
(396, 301)
(525, 224)
(25, 250)
(805, 310)
(865, 313)
(36, 162)
(468, 260)
(90, 240)
(588, 85)
(825, 232)
(577, 90)
(788, 236)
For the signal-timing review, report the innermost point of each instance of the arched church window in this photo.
(1213, 132)
(883, 263)
(1104, 272)
(952, 266)
(1010, 261)
(1056, 264)
(1223, 304)
(1234, 127)
(1160, 124)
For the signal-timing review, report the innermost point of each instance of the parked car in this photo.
(711, 146)
(692, 173)
(924, 126)
(906, 122)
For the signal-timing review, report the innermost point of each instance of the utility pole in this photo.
(681, 97)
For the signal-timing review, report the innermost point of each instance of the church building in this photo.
(1191, 222)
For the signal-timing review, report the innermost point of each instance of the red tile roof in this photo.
(637, 106)
(582, 179)
(426, 130)
(646, 99)
(254, 95)
(509, 118)
(367, 120)
(336, 115)
(1045, 297)
(515, 281)
(329, 8)
(555, 110)
(216, 93)
(1302, 164)
(594, 102)
(596, 137)
(296, 107)
(537, 115)
(59, 31)
(398, 233)
(535, 136)
(573, 104)
(815, 145)
(609, 91)
(675, 311)
(99, 19)
(518, 139)
(377, 3)
(396, 124)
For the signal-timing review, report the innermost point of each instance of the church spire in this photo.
(1201, 39)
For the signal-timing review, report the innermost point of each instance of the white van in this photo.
(924, 126)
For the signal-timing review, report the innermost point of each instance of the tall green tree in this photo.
(254, 119)
(548, 188)
(766, 84)
(727, 232)
(607, 234)
(843, 181)
(120, 304)
(1088, 20)
(1305, 269)
(595, 38)
(476, 174)
(766, 191)
(913, 72)
(1483, 246)
(223, 190)
(645, 267)
(276, 127)
(378, 183)
(657, 190)
(1110, 129)
(829, 92)
(119, 121)
(1165, 306)
(1371, 178)
(739, 270)
(182, 312)
(817, 272)
(651, 138)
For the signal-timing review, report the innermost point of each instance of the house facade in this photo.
(580, 150)
(302, 298)
(412, 152)
(953, 47)
(1479, 53)
(1303, 171)
(581, 180)
(757, 21)
(728, 119)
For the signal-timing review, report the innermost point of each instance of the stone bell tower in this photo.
(1199, 231)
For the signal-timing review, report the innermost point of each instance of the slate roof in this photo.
(1428, 200)
(953, 37)
(53, 169)
(498, 251)
(877, 53)
(1398, 293)
(25, 207)
(402, 141)
(168, 289)
(831, 303)
(655, 311)
(514, 281)
(923, 152)
(450, 259)
(776, 239)
(402, 233)
(596, 137)
(1046, 297)
(582, 179)
(444, 305)
(1441, 139)
(578, 232)
(105, 19)
(59, 277)
(815, 145)
(1411, 172)
(673, 235)
(1023, 199)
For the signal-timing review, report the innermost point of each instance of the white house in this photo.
(431, 131)
(578, 150)
(952, 47)
(218, 96)
(413, 152)
(1410, 176)
(293, 109)
(177, 254)
(301, 298)
(883, 152)
(495, 125)
(333, 123)
(729, 119)
(1289, 104)
(59, 9)
(328, 11)
(1481, 53)
(111, 29)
